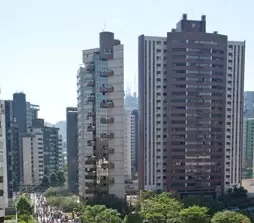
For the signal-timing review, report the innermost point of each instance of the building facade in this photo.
(3, 164)
(248, 100)
(248, 149)
(33, 160)
(184, 80)
(134, 141)
(72, 148)
(52, 150)
(127, 144)
(234, 113)
(101, 119)
(13, 150)
(31, 114)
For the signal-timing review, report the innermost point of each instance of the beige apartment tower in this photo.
(100, 83)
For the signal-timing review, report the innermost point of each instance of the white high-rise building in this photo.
(234, 113)
(3, 163)
(33, 160)
(101, 119)
(127, 143)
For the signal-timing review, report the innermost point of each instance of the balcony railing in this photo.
(107, 104)
(90, 114)
(105, 120)
(91, 160)
(90, 128)
(90, 184)
(90, 67)
(108, 165)
(107, 73)
(90, 83)
(91, 143)
(106, 89)
(109, 135)
(91, 99)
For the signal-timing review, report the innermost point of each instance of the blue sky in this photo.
(41, 40)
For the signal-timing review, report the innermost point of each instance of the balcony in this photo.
(107, 165)
(91, 143)
(109, 135)
(105, 120)
(91, 160)
(107, 73)
(90, 67)
(90, 191)
(90, 170)
(108, 149)
(90, 128)
(107, 104)
(106, 88)
(91, 99)
(90, 114)
(90, 83)
(90, 184)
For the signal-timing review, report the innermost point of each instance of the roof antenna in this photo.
(104, 26)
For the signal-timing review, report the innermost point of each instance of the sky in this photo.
(41, 41)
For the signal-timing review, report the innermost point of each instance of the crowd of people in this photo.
(47, 214)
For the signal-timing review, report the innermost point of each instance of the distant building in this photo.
(33, 160)
(127, 144)
(31, 113)
(248, 149)
(131, 101)
(134, 141)
(72, 148)
(248, 100)
(3, 164)
(52, 150)
(13, 150)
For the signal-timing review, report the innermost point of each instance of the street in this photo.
(46, 214)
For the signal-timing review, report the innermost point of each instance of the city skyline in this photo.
(45, 53)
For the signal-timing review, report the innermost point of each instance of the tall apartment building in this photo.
(234, 113)
(127, 144)
(12, 149)
(33, 160)
(3, 164)
(248, 149)
(31, 114)
(134, 141)
(72, 148)
(101, 119)
(52, 150)
(190, 83)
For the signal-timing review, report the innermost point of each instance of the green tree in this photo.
(161, 208)
(230, 217)
(45, 182)
(133, 218)
(25, 218)
(99, 214)
(53, 180)
(195, 214)
(110, 201)
(50, 192)
(147, 194)
(24, 206)
(60, 178)
(212, 204)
